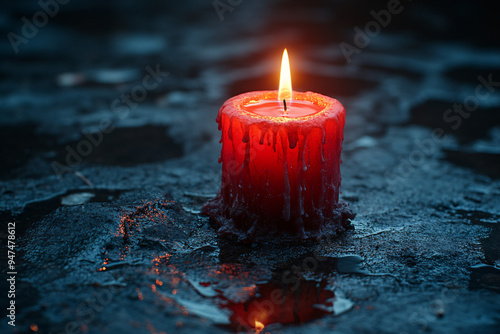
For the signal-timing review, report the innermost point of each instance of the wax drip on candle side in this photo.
(238, 207)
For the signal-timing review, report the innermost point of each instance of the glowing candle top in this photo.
(285, 105)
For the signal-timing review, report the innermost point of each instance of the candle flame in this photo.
(285, 90)
(259, 326)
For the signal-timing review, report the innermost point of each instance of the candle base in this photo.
(249, 227)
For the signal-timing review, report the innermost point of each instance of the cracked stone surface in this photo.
(115, 243)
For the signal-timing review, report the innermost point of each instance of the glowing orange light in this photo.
(34, 327)
(258, 325)
(285, 90)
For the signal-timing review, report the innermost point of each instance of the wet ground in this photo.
(105, 179)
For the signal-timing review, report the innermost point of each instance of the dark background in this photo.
(96, 239)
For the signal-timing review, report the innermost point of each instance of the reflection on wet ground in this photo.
(296, 293)
(485, 275)
(275, 302)
(234, 295)
(238, 298)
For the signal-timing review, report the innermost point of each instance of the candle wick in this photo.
(284, 103)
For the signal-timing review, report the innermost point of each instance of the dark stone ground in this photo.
(116, 245)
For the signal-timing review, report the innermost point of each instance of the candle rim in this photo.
(328, 105)
(254, 106)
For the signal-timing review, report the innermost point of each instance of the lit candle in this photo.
(280, 164)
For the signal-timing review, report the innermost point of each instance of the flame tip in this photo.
(285, 87)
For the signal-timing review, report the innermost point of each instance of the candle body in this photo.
(280, 174)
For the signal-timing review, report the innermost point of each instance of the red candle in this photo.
(280, 164)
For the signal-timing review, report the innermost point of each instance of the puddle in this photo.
(470, 74)
(77, 199)
(36, 210)
(484, 163)
(130, 146)
(281, 302)
(123, 147)
(430, 114)
(485, 275)
(20, 146)
(247, 299)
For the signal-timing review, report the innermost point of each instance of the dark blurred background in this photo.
(107, 104)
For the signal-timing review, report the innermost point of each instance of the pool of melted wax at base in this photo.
(296, 293)
(275, 108)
